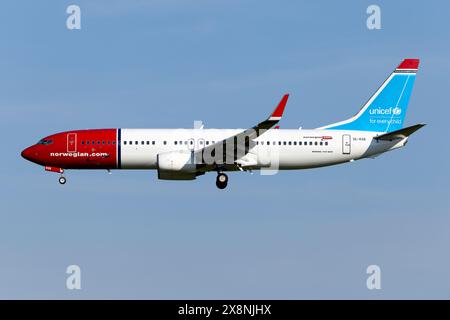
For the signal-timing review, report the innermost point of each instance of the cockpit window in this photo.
(45, 141)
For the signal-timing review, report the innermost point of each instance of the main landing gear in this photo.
(221, 180)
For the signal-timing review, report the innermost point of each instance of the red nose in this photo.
(30, 154)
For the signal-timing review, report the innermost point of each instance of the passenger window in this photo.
(103, 142)
(284, 142)
(82, 142)
(124, 142)
(153, 142)
(295, 143)
(315, 143)
(113, 142)
(321, 143)
(290, 143)
(175, 142)
(87, 142)
(310, 143)
(326, 143)
(165, 142)
(142, 142)
(207, 142)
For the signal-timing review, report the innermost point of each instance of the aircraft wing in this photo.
(238, 145)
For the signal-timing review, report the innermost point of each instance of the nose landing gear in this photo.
(62, 179)
(221, 180)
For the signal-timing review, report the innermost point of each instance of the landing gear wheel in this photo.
(222, 181)
(62, 180)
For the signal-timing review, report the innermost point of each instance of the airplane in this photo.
(185, 154)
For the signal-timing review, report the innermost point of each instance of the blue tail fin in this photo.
(386, 109)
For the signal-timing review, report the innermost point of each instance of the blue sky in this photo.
(302, 234)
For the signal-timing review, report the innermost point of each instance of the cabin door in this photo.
(346, 144)
(71, 142)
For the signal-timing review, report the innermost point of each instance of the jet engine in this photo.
(177, 165)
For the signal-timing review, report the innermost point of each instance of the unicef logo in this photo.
(380, 111)
(396, 111)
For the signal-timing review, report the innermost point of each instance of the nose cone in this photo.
(29, 154)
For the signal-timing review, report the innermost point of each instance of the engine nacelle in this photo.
(176, 165)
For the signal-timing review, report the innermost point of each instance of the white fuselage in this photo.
(284, 148)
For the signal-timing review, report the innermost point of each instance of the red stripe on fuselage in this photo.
(79, 149)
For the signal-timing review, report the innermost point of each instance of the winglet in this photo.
(278, 112)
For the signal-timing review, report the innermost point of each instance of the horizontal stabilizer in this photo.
(400, 134)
